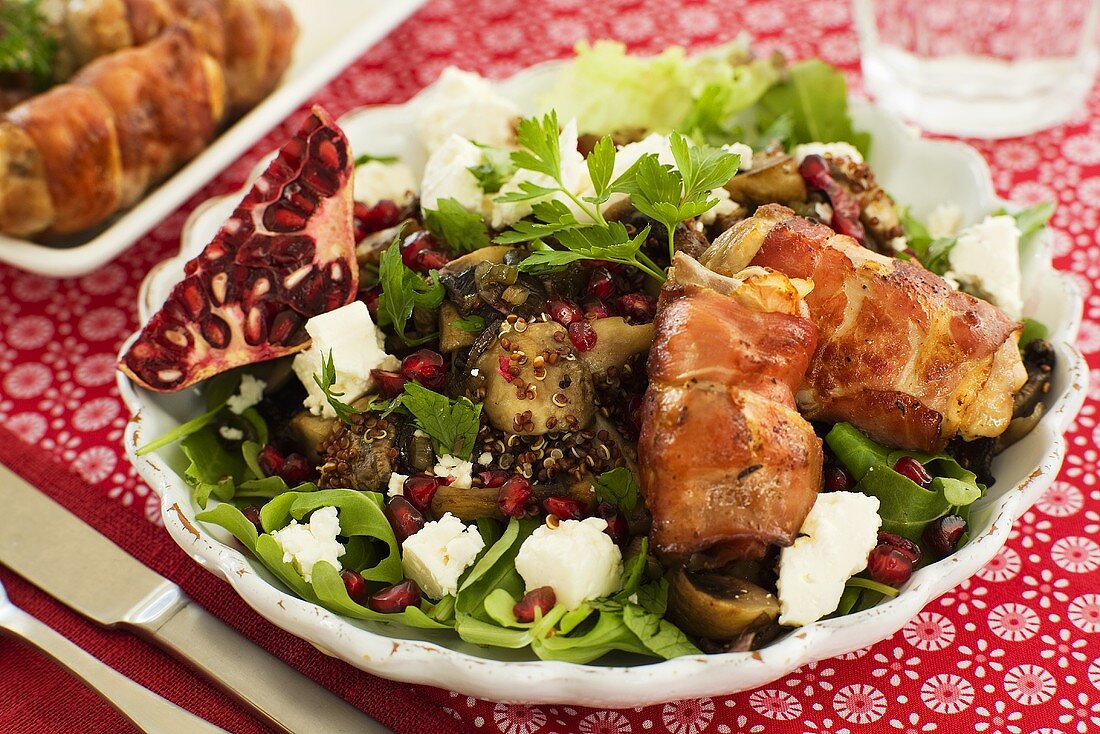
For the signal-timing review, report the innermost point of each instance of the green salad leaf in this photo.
(26, 45)
(618, 488)
(1032, 330)
(814, 96)
(365, 158)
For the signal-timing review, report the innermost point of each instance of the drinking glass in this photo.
(979, 68)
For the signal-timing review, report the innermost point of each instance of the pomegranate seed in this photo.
(910, 468)
(617, 526)
(596, 309)
(837, 479)
(370, 297)
(493, 478)
(431, 260)
(565, 508)
(392, 384)
(600, 284)
(582, 335)
(252, 514)
(815, 172)
(404, 518)
(514, 497)
(540, 601)
(942, 535)
(504, 367)
(369, 219)
(271, 460)
(637, 308)
(396, 598)
(356, 587)
(413, 245)
(420, 489)
(296, 470)
(425, 367)
(901, 543)
(888, 565)
(563, 311)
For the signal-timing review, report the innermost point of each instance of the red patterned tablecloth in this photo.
(1015, 650)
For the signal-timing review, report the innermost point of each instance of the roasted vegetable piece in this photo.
(450, 336)
(616, 342)
(718, 606)
(309, 432)
(470, 504)
(774, 178)
(493, 253)
(360, 456)
(533, 381)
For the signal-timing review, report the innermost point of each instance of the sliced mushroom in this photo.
(451, 337)
(774, 179)
(718, 606)
(493, 253)
(533, 381)
(616, 342)
(473, 503)
(309, 432)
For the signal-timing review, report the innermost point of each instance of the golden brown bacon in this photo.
(901, 354)
(728, 465)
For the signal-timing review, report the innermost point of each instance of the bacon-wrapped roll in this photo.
(901, 354)
(73, 156)
(727, 464)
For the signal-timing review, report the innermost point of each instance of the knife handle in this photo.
(145, 709)
(275, 692)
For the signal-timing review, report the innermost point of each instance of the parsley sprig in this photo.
(25, 44)
(402, 291)
(327, 382)
(461, 229)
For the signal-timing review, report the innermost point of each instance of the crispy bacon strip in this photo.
(902, 355)
(728, 465)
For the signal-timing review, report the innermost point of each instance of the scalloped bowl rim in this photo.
(534, 681)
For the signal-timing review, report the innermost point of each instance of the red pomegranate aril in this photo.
(370, 219)
(837, 479)
(431, 260)
(565, 508)
(395, 599)
(600, 284)
(271, 460)
(355, 585)
(617, 526)
(296, 470)
(404, 518)
(370, 297)
(420, 490)
(637, 308)
(815, 172)
(493, 478)
(596, 309)
(413, 245)
(910, 468)
(536, 601)
(942, 535)
(392, 384)
(515, 496)
(582, 335)
(426, 367)
(909, 548)
(888, 565)
(563, 311)
(252, 514)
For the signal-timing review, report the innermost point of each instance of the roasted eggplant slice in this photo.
(718, 606)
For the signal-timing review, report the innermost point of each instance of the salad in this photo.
(659, 370)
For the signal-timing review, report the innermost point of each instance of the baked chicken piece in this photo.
(728, 466)
(71, 157)
(901, 354)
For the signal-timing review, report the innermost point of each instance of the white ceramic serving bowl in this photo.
(921, 173)
(327, 42)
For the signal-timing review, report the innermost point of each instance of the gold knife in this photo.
(69, 560)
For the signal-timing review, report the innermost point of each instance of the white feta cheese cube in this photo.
(447, 176)
(229, 433)
(577, 559)
(836, 150)
(248, 394)
(397, 485)
(838, 534)
(459, 471)
(574, 176)
(375, 181)
(742, 150)
(437, 554)
(356, 345)
(945, 220)
(485, 459)
(305, 545)
(986, 261)
(464, 103)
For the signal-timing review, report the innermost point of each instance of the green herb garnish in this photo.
(461, 229)
(494, 170)
(618, 488)
(402, 291)
(326, 381)
(368, 158)
(25, 44)
(451, 424)
(472, 324)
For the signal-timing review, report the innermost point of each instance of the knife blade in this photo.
(72, 562)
